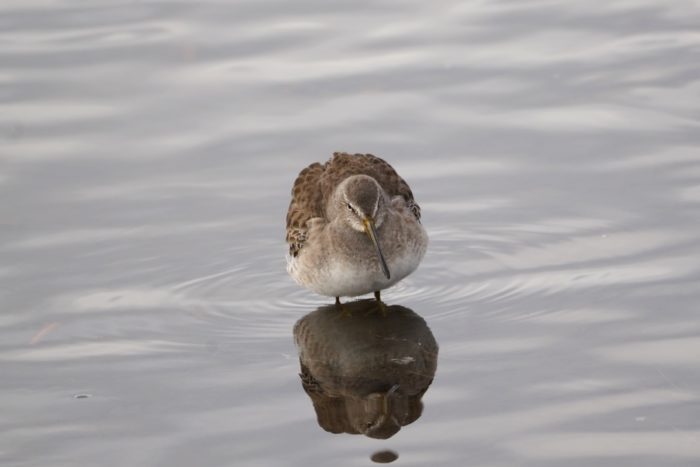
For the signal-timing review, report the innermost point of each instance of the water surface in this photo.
(147, 150)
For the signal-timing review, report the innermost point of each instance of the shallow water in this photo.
(147, 150)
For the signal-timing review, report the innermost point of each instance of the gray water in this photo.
(147, 150)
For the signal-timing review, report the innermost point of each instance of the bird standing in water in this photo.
(353, 227)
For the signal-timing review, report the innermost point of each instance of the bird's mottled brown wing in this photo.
(343, 165)
(307, 203)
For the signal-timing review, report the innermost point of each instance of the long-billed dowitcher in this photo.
(353, 227)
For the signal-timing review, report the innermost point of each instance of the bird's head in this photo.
(379, 415)
(361, 203)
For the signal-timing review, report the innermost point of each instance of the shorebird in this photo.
(353, 227)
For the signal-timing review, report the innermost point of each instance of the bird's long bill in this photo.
(372, 234)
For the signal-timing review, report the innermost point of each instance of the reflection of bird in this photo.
(353, 227)
(365, 373)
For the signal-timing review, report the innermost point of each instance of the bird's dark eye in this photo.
(350, 207)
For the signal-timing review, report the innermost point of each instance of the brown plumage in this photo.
(353, 227)
(316, 183)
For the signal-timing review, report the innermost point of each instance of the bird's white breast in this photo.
(329, 266)
(349, 278)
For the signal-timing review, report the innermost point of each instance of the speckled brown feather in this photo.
(316, 183)
(306, 204)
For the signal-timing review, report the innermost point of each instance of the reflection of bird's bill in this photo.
(371, 231)
(387, 396)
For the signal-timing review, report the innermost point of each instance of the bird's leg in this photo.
(382, 306)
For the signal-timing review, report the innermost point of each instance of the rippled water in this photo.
(147, 150)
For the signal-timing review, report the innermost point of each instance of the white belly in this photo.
(356, 276)
(350, 280)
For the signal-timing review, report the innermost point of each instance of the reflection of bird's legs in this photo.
(382, 307)
(345, 312)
